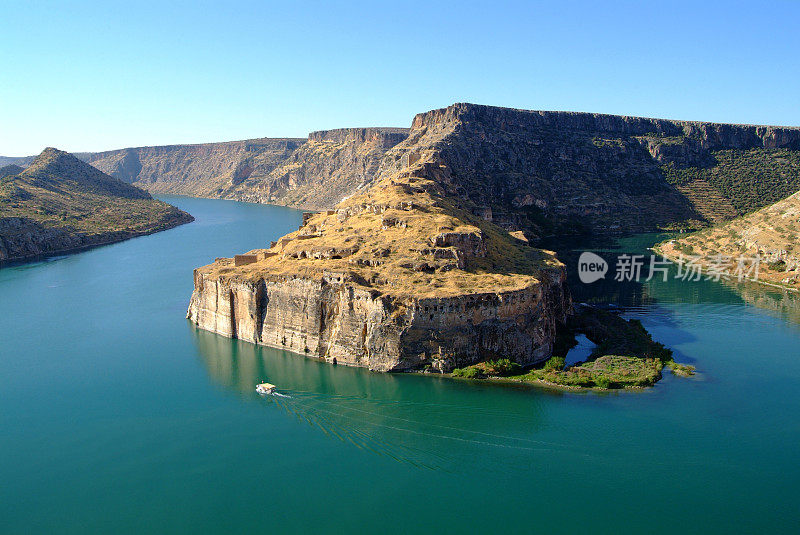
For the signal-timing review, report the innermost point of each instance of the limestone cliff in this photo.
(399, 277)
(60, 204)
(329, 166)
(555, 172)
(203, 170)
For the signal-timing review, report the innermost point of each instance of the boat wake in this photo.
(419, 434)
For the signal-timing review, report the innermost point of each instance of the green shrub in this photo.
(555, 363)
(470, 372)
(501, 367)
(778, 265)
(603, 382)
(682, 370)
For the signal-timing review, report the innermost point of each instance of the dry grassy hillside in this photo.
(771, 233)
(60, 203)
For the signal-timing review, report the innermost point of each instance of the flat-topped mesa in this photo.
(413, 284)
(550, 173)
(712, 135)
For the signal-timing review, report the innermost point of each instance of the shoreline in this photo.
(778, 285)
(538, 384)
(18, 261)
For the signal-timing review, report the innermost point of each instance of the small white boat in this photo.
(265, 389)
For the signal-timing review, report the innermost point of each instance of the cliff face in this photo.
(336, 319)
(60, 204)
(397, 278)
(205, 170)
(551, 172)
(329, 166)
(314, 173)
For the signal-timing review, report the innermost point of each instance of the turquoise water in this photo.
(117, 416)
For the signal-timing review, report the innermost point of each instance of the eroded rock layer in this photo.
(313, 173)
(561, 172)
(331, 165)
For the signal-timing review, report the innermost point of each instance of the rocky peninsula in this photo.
(400, 277)
(427, 264)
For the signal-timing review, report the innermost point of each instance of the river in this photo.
(117, 416)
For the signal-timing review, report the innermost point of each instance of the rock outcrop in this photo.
(331, 165)
(399, 277)
(60, 204)
(556, 172)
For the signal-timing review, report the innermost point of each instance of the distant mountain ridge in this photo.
(22, 161)
(10, 170)
(313, 172)
(61, 204)
(203, 170)
(539, 172)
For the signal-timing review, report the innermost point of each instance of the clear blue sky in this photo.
(87, 76)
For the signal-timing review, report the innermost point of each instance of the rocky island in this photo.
(60, 204)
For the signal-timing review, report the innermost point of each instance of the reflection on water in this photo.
(437, 423)
(644, 297)
(139, 408)
(785, 303)
(427, 422)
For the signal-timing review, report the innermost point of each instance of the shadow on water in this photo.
(654, 301)
(634, 297)
(424, 421)
(784, 303)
